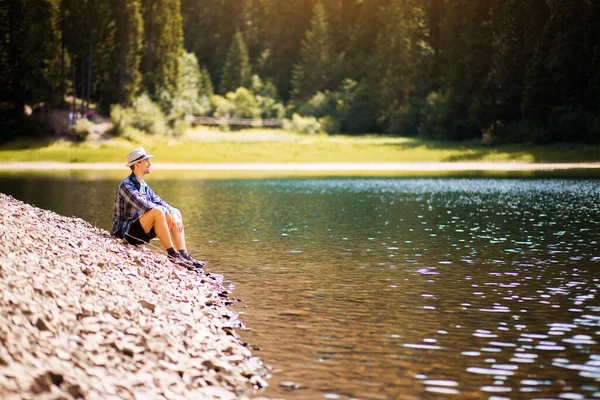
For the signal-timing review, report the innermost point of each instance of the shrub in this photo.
(120, 119)
(189, 97)
(83, 128)
(360, 111)
(238, 104)
(594, 133)
(146, 115)
(143, 115)
(258, 102)
(264, 89)
(122, 124)
(133, 135)
(244, 104)
(350, 108)
(329, 124)
(270, 108)
(319, 105)
(570, 123)
(512, 131)
(221, 106)
(302, 124)
(180, 126)
(438, 119)
(408, 118)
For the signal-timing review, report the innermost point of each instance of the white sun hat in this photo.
(136, 155)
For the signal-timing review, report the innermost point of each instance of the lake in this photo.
(387, 288)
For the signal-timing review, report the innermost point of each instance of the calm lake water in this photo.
(387, 288)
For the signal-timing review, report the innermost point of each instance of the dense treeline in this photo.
(448, 69)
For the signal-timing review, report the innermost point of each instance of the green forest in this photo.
(495, 70)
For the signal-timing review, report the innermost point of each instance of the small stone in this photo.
(41, 384)
(87, 310)
(42, 325)
(76, 391)
(91, 327)
(63, 355)
(260, 383)
(56, 378)
(148, 305)
(175, 275)
(99, 360)
(289, 385)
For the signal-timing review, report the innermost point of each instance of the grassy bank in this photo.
(249, 146)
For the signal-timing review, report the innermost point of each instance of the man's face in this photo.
(144, 166)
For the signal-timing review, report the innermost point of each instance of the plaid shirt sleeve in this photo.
(169, 209)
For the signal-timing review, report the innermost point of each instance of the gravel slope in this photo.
(83, 315)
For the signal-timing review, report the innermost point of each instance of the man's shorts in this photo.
(136, 234)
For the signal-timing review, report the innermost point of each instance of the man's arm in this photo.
(133, 196)
(174, 218)
(169, 209)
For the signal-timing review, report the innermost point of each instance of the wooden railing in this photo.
(238, 121)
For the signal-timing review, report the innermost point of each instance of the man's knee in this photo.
(151, 216)
(157, 212)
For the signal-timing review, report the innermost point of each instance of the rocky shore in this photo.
(84, 315)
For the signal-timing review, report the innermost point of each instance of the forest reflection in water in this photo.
(394, 288)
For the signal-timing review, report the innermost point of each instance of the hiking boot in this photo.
(178, 259)
(195, 263)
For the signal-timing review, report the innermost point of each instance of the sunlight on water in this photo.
(384, 288)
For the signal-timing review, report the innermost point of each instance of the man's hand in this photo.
(175, 221)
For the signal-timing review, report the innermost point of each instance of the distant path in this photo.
(334, 166)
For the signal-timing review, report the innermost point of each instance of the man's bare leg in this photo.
(156, 218)
(178, 238)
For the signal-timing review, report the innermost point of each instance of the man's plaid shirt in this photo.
(132, 200)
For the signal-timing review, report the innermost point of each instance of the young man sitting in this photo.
(141, 215)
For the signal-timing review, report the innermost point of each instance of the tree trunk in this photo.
(82, 85)
(89, 81)
(15, 16)
(74, 107)
(62, 70)
(149, 42)
(122, 49)
(435, 15)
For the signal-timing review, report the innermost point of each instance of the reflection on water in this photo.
(395, 288)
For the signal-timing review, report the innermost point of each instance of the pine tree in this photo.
(42, 52)
(237, 70)
(252, 24)
(401, 61)
(516, 25)
(209, 27)
(12, 65)
(287, 23)
(207, 85)
(343, 16)
(466, 43)
(315, 68)
(561, 92)
(31, 58)
(5, 35)
(363, 37)
(87, 31)
(130, 30)
(163, 44)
